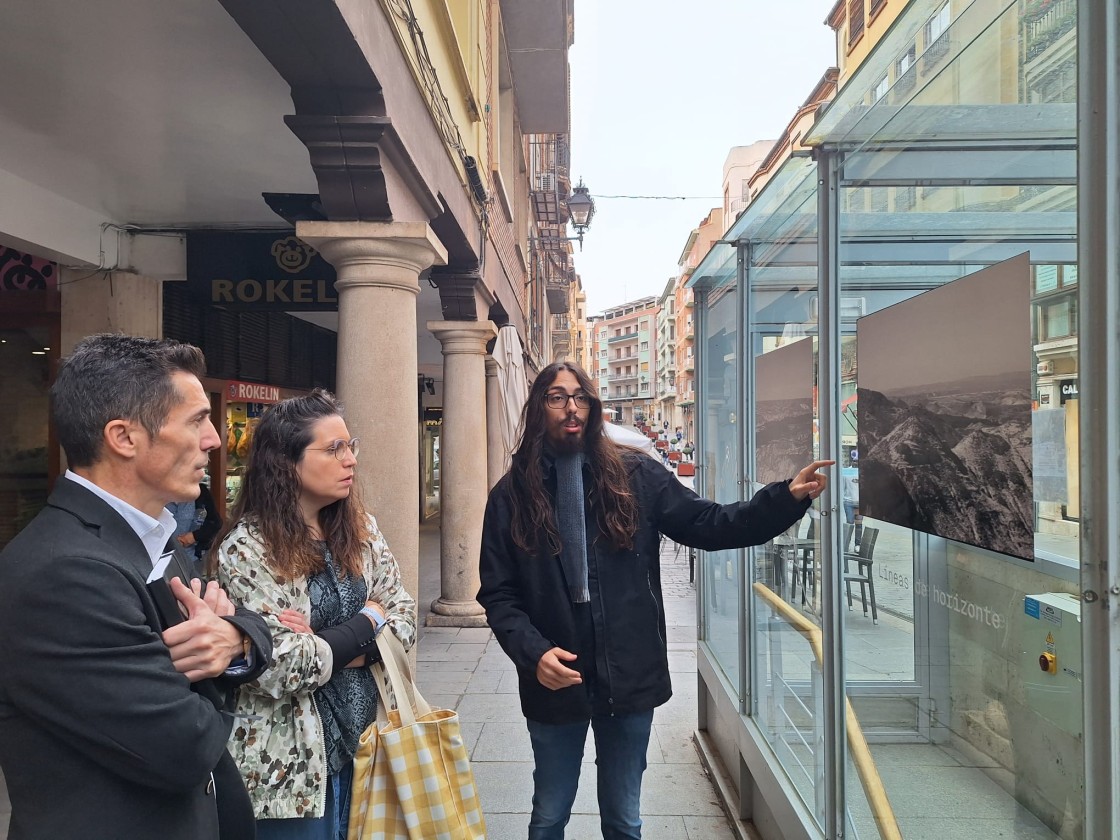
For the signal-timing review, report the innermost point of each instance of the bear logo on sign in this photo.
(291, 254)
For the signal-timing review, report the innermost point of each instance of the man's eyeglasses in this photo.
(556, 399)
(339, 448)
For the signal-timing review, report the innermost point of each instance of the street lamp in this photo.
(581, 208)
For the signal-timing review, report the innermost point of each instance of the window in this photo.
(1051, 278)
(645, 345)
(876, 6)
(907, 60)
(880, 89)
(937, 38)
(855, 20)
(1057, 317)
(905, 198)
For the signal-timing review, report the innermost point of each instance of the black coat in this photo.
(528, 607)
(100, 736)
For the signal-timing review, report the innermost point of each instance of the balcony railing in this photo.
(617, 339)
(1045, 22)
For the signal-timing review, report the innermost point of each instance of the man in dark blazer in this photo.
(112, 720)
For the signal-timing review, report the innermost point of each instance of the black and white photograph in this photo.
(783, 411)
(945, 411)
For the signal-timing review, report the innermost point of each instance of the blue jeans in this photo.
(620, 756)
(332, 826)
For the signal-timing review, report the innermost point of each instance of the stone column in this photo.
(495, 454)
(463, 475)
(378, 266)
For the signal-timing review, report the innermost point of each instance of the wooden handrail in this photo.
(868, 773)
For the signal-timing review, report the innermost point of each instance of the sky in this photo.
(661, 91)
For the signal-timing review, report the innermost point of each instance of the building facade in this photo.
(624, 345)
(667, 416)
(345, 197)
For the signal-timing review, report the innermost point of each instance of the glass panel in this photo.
(25, 383)
(968, 686)
(720, 459)
(788, 692)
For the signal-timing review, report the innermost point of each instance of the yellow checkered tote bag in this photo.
(412, 777)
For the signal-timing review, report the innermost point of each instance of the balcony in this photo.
(623, 377)
(556, 293)
(538, 36)
(1045, 23)
(618, 339)
(550, 196)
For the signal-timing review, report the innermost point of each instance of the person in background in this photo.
(849, 492)
(301, 549)
(571, 584)
(112, 723)
(196, 522)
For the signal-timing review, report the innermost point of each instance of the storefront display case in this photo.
(236, 408)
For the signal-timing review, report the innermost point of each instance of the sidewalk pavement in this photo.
(465, 669)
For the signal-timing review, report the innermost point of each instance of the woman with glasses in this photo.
(302, 552)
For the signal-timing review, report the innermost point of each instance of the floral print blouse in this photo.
(277, 739)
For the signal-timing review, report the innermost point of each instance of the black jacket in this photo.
(528, 607)
(100, 736)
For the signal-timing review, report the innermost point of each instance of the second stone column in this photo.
(463, 477)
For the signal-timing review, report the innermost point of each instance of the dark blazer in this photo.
(100, 737)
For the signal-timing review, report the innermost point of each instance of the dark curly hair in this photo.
(612, 500)
(270, 490)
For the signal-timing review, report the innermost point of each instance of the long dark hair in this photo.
(612, 500)
(270, 490)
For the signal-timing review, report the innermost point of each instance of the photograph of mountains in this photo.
(784, 381)
(945, 411)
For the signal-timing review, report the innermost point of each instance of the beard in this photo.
(568, 444)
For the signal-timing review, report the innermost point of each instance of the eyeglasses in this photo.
(339, 448)
(556, 399)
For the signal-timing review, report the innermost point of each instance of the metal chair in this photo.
(801, 562)
(864, 575)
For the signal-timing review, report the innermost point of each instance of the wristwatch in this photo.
(378, 619)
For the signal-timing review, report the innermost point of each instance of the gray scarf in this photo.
(572, 525)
